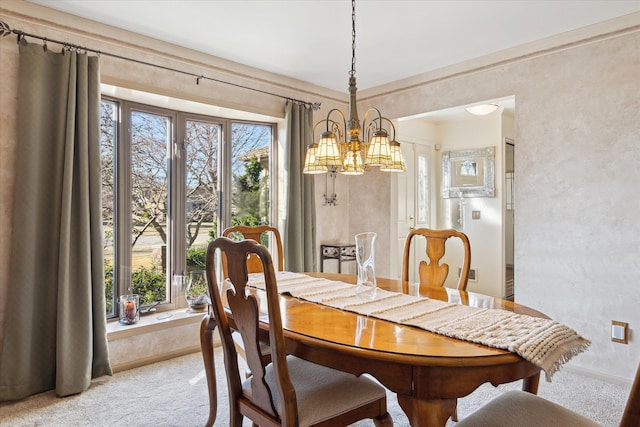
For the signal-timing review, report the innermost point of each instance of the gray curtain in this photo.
(55, 329)
(300, 223)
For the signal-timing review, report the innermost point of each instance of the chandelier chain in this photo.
(353, 38)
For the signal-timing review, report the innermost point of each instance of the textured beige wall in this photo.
(577, 243)
(577, 124)
(577, 128)
(143, 348)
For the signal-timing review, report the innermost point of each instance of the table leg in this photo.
(530, 384)
(207, 326)
(427, 412)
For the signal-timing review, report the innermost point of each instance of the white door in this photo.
(413, 203)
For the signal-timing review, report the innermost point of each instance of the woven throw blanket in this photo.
(543, 342)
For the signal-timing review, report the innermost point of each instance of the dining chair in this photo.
(257, 233)
(528, 410)
(431, 271)
(289, 391)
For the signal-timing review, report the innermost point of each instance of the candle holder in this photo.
(129, 309)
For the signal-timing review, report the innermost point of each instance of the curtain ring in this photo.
(22, 39)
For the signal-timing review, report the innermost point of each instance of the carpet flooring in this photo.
(174, 393)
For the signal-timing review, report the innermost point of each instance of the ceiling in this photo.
(310, 40)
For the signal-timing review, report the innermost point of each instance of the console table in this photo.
(339, 251)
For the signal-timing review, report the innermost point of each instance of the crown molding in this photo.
(590, 34)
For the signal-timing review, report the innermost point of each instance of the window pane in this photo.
(423, 189)
(250, 148)
(201, 147)
(150, 136)
(108, 135)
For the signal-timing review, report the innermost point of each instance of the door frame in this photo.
(409, 207)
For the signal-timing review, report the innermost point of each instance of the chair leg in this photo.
(454, 416)
(384, 420)
(207, 327)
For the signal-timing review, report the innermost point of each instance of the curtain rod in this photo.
(5, 30)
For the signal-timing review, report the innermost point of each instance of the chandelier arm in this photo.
(331, 124)
(334, 124)
(378, 119)
(368, 129)
(338, 129)
(392, 127)
(342, 116)
(318, 124)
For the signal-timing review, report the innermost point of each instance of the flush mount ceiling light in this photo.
(483, 109)
(344, 145)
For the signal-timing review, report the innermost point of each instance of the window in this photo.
(171, 181)
(108, 134)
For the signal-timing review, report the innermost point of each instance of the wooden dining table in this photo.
(428, 372)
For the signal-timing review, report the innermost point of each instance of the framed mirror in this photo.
(468, 173)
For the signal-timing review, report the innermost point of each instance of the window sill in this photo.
(153, 322)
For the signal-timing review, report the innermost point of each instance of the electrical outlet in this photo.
(473, 274)
(619, 331)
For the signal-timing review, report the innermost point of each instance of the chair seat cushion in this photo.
(322, 392)
(522, 409)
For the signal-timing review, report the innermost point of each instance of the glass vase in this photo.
(197, 292)
(365, 259)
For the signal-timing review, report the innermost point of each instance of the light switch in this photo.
(619, 332)
(475, 214)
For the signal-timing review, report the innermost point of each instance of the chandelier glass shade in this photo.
(328, 150)
(353, 163)
(379, 151)
(347, 147)
(310, 164)
(397, 162)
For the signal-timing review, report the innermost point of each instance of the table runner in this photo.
(544, 342)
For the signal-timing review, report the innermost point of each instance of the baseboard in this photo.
(613, 379)
(154, 359)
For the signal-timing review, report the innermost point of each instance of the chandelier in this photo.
(344, 145)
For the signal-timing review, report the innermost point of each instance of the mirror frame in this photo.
(479, 184)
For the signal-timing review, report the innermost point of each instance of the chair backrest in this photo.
(631, 414)
(245, 311)
(256, 233)
(431, 271)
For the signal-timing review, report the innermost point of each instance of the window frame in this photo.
(176, 187)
